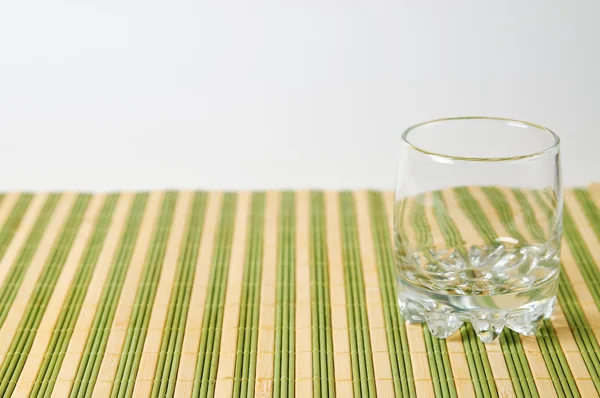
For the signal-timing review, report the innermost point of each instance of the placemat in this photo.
(265, 294)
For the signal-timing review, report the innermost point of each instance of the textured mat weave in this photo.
(264, 294)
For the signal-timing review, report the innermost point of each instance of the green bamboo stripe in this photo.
(478, 361)
(590, 209)
(445, 222)
(212, 322)
(504, 211)
(556, 362)
(517, 364)
(89, 366)
(547, 210)
(418, 221)
(358, 322)
(581, 328)
(71, 307)
(437, 353)
(582, 255)
(322, 338)
(23, 339)
(400, 209)
(394, 324)
(578, 247)
(172, 340)
(285, 307)
(552, 353)
(476, 353)
(245, 363)
(15, 275)
(510, 342)
(471, 207)
(142, 308)
(578, 323)
(537, 231)
(13, 221)
(247, 338)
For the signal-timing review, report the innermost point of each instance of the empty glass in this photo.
(478, 225)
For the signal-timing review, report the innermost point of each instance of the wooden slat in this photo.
(583, 225)
(594, 189)
(494, 351)
(304, 381)
(561, 327)
(7, 206)
(44, 333)
(81, 331)
(530, 343)
(151, 350)
(19, 305)
(339, 317)
(20, 237)
(231, 316)
(118, 329)
(381, 356)
(454, 343)
(577, 279)
(266, 332)
(193, 326)
(414, 332)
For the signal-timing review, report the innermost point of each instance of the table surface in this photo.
(264, 294)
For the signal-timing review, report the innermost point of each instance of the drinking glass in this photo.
(478, 225)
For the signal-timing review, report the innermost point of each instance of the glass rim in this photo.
(555, 145)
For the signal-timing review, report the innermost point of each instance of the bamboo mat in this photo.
(265, 294)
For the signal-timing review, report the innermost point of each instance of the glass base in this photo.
(444, 314)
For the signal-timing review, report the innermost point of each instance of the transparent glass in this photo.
(478, 225)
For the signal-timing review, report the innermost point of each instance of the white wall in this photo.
(262, 94)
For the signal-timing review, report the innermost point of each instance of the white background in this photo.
(100, 95)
